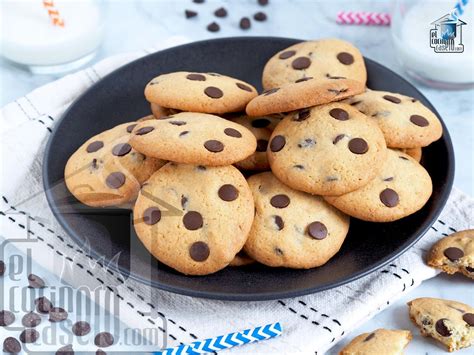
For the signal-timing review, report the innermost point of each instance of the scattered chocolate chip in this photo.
(358, 146)
(228, 192)
(244, 23)
(389, 197)
(198, 1)
(65, 350)
(442, 329)
(213, 92)
(94, 146)
(370, 336)
(115, 180)
(29, 335)
(131, 127)
(260, 16)
(104, 340)
(304, 79)
(263, 2)
(100, 352)
(280, 201)
(196, 77)
(220, 12)
(339, 114)
(469, 319)
(144, 130)
(190, 13)
(277, 143)
(43, 305)
(301, 63)
(260, 123)
(34, 281)
(151, 215)
(81, 328)
(31, 320)
(183, 133)
(177, 123)
(298, 166)
(199, 251)
(317, 230)
(6, 318)
(338, 138)
(278, 251)
(213, 27)
(121, 149)
(307, 143)
(279, 222)
(57, 314)
(453, 253)
(262, 145)
(192, 220)
(244, 87)
(302, 115)
(419, 120)
(2, 268)
(286, 54)
(231, 132)
(11, 345)
(345, 58)
(393, 99)
(270, 91)
(214, 146)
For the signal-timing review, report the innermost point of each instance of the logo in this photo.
(446, 36)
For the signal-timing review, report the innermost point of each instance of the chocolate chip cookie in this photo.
(194, 138)
(194, 219)
(405, 121)
(106, 170)
(450, 322)
(326, 150)
(314, 59)
(302, 94)
(200, 92)
(454, 253)
(380, 341)
(400, 189)
(292, 228)
(262, 128)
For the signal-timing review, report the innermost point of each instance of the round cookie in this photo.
(194, 138)
(380, 341)
(262, 128)
(400, 189)
(160, 111)
(302, 94)
(317, 59)
(106, 170)
(450, 322)
(292, 228)
(454, 253)
(242, 259)
(405, 121)
(194, 219)
(326, 150)
(200, 92)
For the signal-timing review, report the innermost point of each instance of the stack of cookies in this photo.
(220, 175)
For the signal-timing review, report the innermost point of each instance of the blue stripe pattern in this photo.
(221, 342)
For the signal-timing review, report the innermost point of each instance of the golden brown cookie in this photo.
(200, 92)
(380, 341)
(302, 94)
(106, 170)
(454, 253)
(318, 59)
(449, 322)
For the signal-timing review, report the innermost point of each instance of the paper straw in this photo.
(227, 341)
(458, 10)
(363, 18)
(53, 13)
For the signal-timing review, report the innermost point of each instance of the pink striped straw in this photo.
(363, 18)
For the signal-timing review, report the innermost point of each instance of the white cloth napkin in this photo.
(312, 324)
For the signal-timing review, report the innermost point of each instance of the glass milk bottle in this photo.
(434, 45)
(50, 36)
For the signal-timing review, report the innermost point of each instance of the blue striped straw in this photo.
(226, 341)
(458, 10)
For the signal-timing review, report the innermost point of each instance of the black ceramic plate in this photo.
(118, 98)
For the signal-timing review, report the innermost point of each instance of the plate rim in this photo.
(260, 296)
